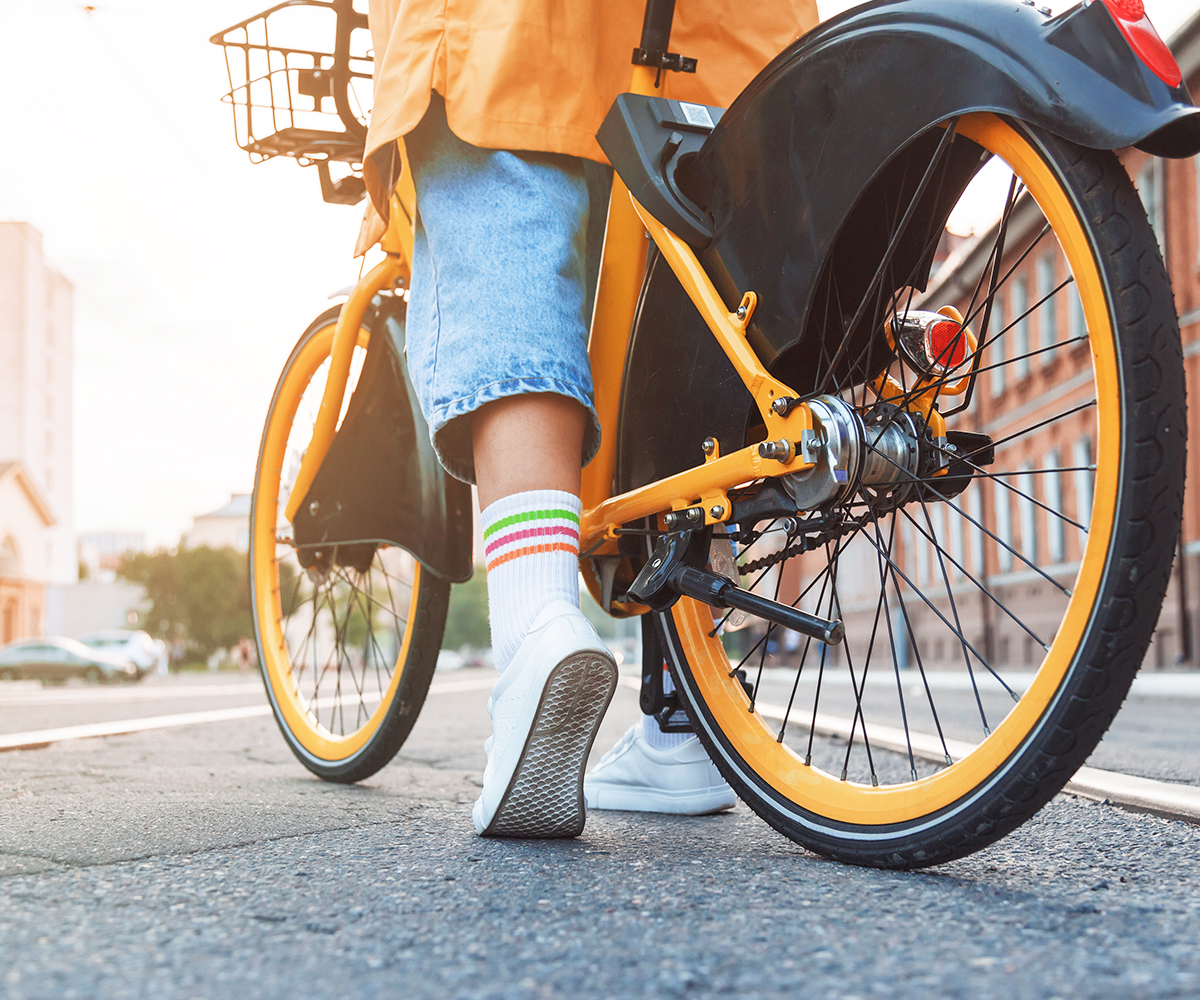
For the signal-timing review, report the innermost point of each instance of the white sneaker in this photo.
(635, 776)
(545, 711)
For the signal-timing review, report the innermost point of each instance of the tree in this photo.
(201, 595)
(467, 617)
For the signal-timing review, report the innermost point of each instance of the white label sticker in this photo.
(696, 114)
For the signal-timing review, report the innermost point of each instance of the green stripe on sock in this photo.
(531, 515)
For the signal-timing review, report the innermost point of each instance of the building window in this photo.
(975, 509)
(1003, 526)
(1196, 166)
(956, 542)
(1149, 185)
(909, 562)
(936, 518)
(1047, 318)
(1020, 330)
(10, 562)
(1027, 511)
(995, 350)
(1052, 488)
(1081, 458)
(1077, 322)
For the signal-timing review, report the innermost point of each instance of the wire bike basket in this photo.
(291, 96)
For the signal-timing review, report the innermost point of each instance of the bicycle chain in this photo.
(806, 544)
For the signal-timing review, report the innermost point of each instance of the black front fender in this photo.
(381, 480)
(817, 153)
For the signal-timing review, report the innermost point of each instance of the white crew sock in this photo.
(655, 736)
(531, 548)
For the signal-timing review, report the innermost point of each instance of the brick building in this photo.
(1056, 377)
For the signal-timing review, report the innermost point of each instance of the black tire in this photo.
(1070, 716)
(331, 748)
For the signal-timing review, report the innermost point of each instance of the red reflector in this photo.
(1127, 10)
(946, 347)
(1131, 18)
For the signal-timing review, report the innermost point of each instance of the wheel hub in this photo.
(883, 453)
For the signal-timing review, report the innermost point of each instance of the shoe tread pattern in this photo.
(545, 797)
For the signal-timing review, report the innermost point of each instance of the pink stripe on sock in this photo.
(516, 536)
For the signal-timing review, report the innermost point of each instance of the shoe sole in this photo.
(544, 799)
(624, 799)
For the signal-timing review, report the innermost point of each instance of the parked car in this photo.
(148, 654)
(53, 661)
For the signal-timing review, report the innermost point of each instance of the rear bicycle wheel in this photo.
(348, 635)
(997, 609)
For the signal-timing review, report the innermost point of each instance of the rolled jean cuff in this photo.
(451, 435)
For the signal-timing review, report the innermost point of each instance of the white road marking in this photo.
(38, 738)
(1168, 684)
(91, 696)
(169, 692)
(1140, 794)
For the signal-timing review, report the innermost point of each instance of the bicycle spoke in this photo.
(893, 244)
(858, 693)
(916, 648)
(979, 584)
(867, 665)
(1039, 425)
(766, 644)
(887, 612)
(803, 594)
(808, 640)
(812, 729)
(982, 473)
(925, 484)
(929, 604)
(958, 630)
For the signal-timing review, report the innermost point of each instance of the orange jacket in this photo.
(540, 75)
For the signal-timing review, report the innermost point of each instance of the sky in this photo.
(195, 272)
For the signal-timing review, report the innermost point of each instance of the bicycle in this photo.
(780, 366)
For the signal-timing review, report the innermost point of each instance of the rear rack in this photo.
(280, 80)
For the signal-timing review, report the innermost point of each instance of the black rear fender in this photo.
(810, 165)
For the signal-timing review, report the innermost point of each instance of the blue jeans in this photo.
(501, 284)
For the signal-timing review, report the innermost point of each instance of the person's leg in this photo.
(556, 675)
(527, 463)
(527, 451)
(531, 442)
(497, 350)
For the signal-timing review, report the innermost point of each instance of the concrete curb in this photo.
(1161, 798)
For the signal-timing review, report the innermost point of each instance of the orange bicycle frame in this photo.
(622, 270)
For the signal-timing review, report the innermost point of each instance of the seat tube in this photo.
(656, 26)
(621, 271)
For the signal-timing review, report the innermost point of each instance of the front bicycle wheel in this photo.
(999, 581)
(347, 638)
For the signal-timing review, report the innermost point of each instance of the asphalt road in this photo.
(205, 862)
